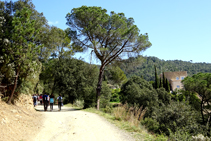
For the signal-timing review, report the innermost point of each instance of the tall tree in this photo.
(167, 85)
(164, 81)
(161, 83)
(201, 84)
(110, 36)
(22, 49)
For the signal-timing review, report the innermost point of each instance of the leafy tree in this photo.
(115, 75)
(164, 81)
(22, 49)
(72, 78)
(201, 84)
(107, 35)
(161, 83)
(138, 91)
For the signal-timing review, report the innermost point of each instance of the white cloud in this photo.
(52, 23)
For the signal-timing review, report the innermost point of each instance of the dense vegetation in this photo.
(176, 115)
(144, 66)
(37, 58)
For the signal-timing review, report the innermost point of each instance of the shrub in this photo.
(108, 109)
(176, 115)
(151, 124)
(139, 91)
(179, 135)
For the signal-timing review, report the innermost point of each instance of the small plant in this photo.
(108, 109)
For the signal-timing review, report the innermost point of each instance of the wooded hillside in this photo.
(144, 66)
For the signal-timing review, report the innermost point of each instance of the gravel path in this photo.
(76, 125)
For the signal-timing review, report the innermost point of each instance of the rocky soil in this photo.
(20, 121)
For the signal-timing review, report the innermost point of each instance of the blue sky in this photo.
(178, 29)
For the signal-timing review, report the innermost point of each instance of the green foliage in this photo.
(176, 115)
(163, 96)
(201, 84)
(105, 95)
(72, 78)
(107, 35)
(161, 83)
(156, 84)
(29, 83)
(167, 85)
(115, 95)
(180, 135)
(115, 75)
(151, 124)
(139, 91)
(146, 68)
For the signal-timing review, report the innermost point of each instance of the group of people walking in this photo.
(46, 100)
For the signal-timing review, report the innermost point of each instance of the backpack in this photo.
(60, 99)
(34, 99)
(44, 97)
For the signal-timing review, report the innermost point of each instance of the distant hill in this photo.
(144, 66)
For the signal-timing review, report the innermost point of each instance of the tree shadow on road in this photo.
(65, 109)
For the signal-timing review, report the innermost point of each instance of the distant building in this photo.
(175, 79)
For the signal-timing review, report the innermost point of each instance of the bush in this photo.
(108, 109)
(151, 124)
(179, 135)
(176, 115)
(139, 91)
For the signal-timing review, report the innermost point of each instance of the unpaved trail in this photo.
(76, 125)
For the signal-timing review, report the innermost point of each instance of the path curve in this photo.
(76, 125)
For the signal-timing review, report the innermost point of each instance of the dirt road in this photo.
(76, 125)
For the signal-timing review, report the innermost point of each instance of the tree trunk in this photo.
(15, 85)
(99, 84)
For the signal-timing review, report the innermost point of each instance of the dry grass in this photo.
(131, 114)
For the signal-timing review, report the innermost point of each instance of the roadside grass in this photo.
(73, 106)
(68, 105)
(127, 123)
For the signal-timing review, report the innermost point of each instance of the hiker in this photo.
(40, 99)
(51, 101)
(37, 96)
(45, 101)
(59, 101)
(34, 99)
